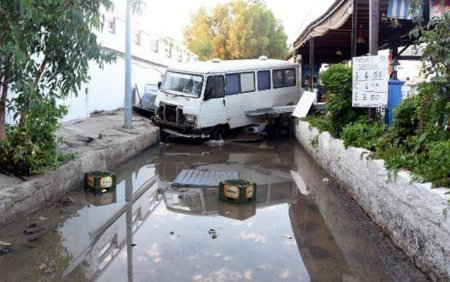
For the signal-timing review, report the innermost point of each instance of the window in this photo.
(263, 80)
(283, 78)
(155, 45)
(137, 38)
(247, 82)
(111, 24)
(182, 84)
(240, 83)
(215, 87)
(233, 84)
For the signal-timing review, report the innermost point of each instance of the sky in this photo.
(170, 17)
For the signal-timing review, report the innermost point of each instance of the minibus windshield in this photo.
(182, 84)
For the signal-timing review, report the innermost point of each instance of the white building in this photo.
(151, 54)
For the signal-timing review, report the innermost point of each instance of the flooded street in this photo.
(297, 229)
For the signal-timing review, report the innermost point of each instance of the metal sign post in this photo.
(373, 37)
(127, 103)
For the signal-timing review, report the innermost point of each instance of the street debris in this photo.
(5, 248)
(215, 143)
(325, 180)
(65, 201)
(213, 233)
(287, 236)
(42, 266)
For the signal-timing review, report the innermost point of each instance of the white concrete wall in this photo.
(411, 214)
(106, 89)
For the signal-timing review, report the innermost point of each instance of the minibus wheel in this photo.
(219, 132)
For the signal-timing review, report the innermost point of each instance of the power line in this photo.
(307, 17)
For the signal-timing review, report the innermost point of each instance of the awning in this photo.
(332, 32)
(333, 19)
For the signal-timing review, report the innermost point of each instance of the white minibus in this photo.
(205, 99)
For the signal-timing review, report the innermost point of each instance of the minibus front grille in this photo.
(172, 113)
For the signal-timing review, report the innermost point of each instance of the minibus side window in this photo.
(247, 82)
(283, 78)
(214, 87)
(240, 83)
(233, 85)
(263, 80)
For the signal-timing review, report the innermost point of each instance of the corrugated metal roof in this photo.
(203, 178)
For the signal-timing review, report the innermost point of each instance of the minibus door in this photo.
(213, 108)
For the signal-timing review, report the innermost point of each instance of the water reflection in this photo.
(147, 230)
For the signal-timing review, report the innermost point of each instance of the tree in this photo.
(236, 30)
(45, 49)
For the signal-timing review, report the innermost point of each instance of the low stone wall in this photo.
(30, 195)
(412, 214)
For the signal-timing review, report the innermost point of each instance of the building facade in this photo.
(151, 54)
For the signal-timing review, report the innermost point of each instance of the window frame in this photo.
(284, 78)
(270, 79)
(240, 82)
(214, 76)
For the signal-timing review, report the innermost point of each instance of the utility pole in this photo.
(373, 37)
(127, 103)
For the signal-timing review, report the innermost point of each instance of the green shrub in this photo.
(363, 133)
(321, 122)
(427, 160)
(337, 81)
(32, 148)
(406, 120)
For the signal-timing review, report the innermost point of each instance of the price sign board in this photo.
(370, 81)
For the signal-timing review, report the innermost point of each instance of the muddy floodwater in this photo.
(297, 229)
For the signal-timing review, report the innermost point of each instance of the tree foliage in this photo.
(45, 49)
(236, 30)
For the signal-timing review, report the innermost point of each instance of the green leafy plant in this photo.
(337, 81)
(315, 141)
(322, 123)
(363, 133)
(32, 146)
(45, 50)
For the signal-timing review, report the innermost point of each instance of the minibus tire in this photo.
(219, 132)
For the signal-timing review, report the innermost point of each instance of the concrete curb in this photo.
(412, 214)
(30, 195)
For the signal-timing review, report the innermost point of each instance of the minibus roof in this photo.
(229, 66)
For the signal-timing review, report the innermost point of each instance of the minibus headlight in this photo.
(190, 119)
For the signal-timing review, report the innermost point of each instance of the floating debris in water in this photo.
(65, 201)
(325, 180)
(287, 236)
(5, 248)
(213, 233)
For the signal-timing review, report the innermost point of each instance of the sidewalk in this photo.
(99, 143)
